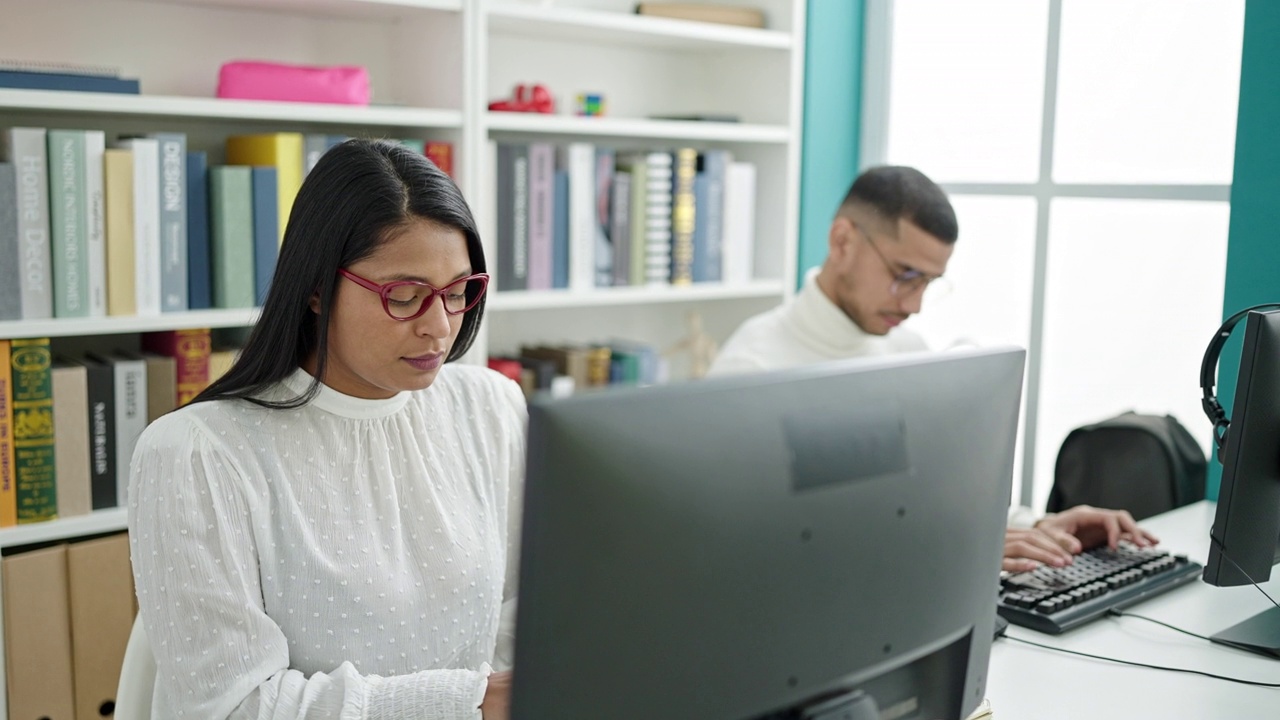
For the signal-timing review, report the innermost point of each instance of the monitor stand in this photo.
(1259, 634)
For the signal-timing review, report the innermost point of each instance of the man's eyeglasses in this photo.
(408, 299)
(910, 281)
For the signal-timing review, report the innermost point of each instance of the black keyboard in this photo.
(1054, 600)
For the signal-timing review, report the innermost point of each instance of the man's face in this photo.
(879, 270)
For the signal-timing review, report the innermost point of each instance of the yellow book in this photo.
(117, 171)
(220, 361)
(34, 459)
(283, 151)
(8, 488)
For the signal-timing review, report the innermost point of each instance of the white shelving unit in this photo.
(434, 65)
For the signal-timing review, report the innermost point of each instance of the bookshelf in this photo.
(435, 65)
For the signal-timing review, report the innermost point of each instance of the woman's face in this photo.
(372, 355)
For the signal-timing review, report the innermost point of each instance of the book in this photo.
(683, 216)
(220, 361)
(313, 146)
(560, 230)
(190, 348)
(8, 490)
(284, 152)
(129, 375)
(718, 13)
(101, 392)
(739, 233)
(68, 220)
(33, 430)
(231, 236)
(10, 260)
(265, 247)
(37, 634)
(26, 148)
(601, 226)
(578, 159)
(71, 439)
(620, 227)
(708, 249)
(414, 144)
(636, 168)
(172, 202)
(440, 152)
(542, 168)
(657, 217)
(122, 291)
(513, 216)
(162, 384)
(95, 143)
(76, 82)
(199, 284)
(146, 224)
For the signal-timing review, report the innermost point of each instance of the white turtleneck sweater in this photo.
(809, 328)
(347, 559)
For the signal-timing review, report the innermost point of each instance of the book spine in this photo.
(231, 235)
(27, 150)
(146, 224)
(639, 214)
(122, 291)
(602, 206)
(100, 381)
(67, 220)
(683, 216)
(440, 152)
(313, 146)
(199, 289)
(512, 175)
(620, 228)
(657, 233)
(715, 165)
(8, 475)
(67, 81)
(191, 350)
(580, 162)
(95, 144)
(171, 171)
(71, 440)
(284, 151)
(560, 231)
(542, 167)
(10, 260)
(130, 376)
(34, 462)
(739, 222)
(700, 228)
(265, 246)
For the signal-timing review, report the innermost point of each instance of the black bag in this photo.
(1145, 464)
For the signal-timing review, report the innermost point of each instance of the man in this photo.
(890, 239)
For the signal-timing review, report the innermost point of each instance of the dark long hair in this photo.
(351, 202)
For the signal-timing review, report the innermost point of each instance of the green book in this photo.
(231, 235)
(68, 223)
(33, 465)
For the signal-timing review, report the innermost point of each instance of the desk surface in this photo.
(1031, 682)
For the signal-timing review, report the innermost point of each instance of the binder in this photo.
(37, 634)
(102, 609)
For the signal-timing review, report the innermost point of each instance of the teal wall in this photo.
(1253, 251)
(832, 110)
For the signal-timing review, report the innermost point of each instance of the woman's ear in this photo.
(314, 302)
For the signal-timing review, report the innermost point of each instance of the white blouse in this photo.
(346, 559)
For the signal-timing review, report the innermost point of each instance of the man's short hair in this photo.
(897, 192)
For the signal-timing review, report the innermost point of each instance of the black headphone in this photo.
(1208, 369)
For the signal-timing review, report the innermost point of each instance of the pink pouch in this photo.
(249, 80)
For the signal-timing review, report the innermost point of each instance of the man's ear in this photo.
(840, 238)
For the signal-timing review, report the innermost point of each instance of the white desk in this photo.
(1034, 683)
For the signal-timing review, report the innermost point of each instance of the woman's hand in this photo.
(497, 697)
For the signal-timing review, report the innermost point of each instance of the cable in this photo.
(1145, 665)
(1223, 552)
(1121, 613)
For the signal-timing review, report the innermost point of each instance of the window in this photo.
(1087, 146)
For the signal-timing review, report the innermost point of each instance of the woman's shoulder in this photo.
(209, 420)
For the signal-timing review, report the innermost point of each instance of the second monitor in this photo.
(810, 543)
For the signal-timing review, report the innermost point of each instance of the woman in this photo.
(327, 531)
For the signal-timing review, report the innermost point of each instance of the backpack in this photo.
(1145, 464)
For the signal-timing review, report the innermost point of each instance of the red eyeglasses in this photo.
(408, 299)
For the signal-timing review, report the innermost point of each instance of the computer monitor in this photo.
(807, 543)
(1246, 526)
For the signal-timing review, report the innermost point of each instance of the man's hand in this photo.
(1027, 549)
(1095, 526)
(497, 697)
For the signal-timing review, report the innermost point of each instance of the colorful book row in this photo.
(581, 216)
(564, 369)
(68, 426)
